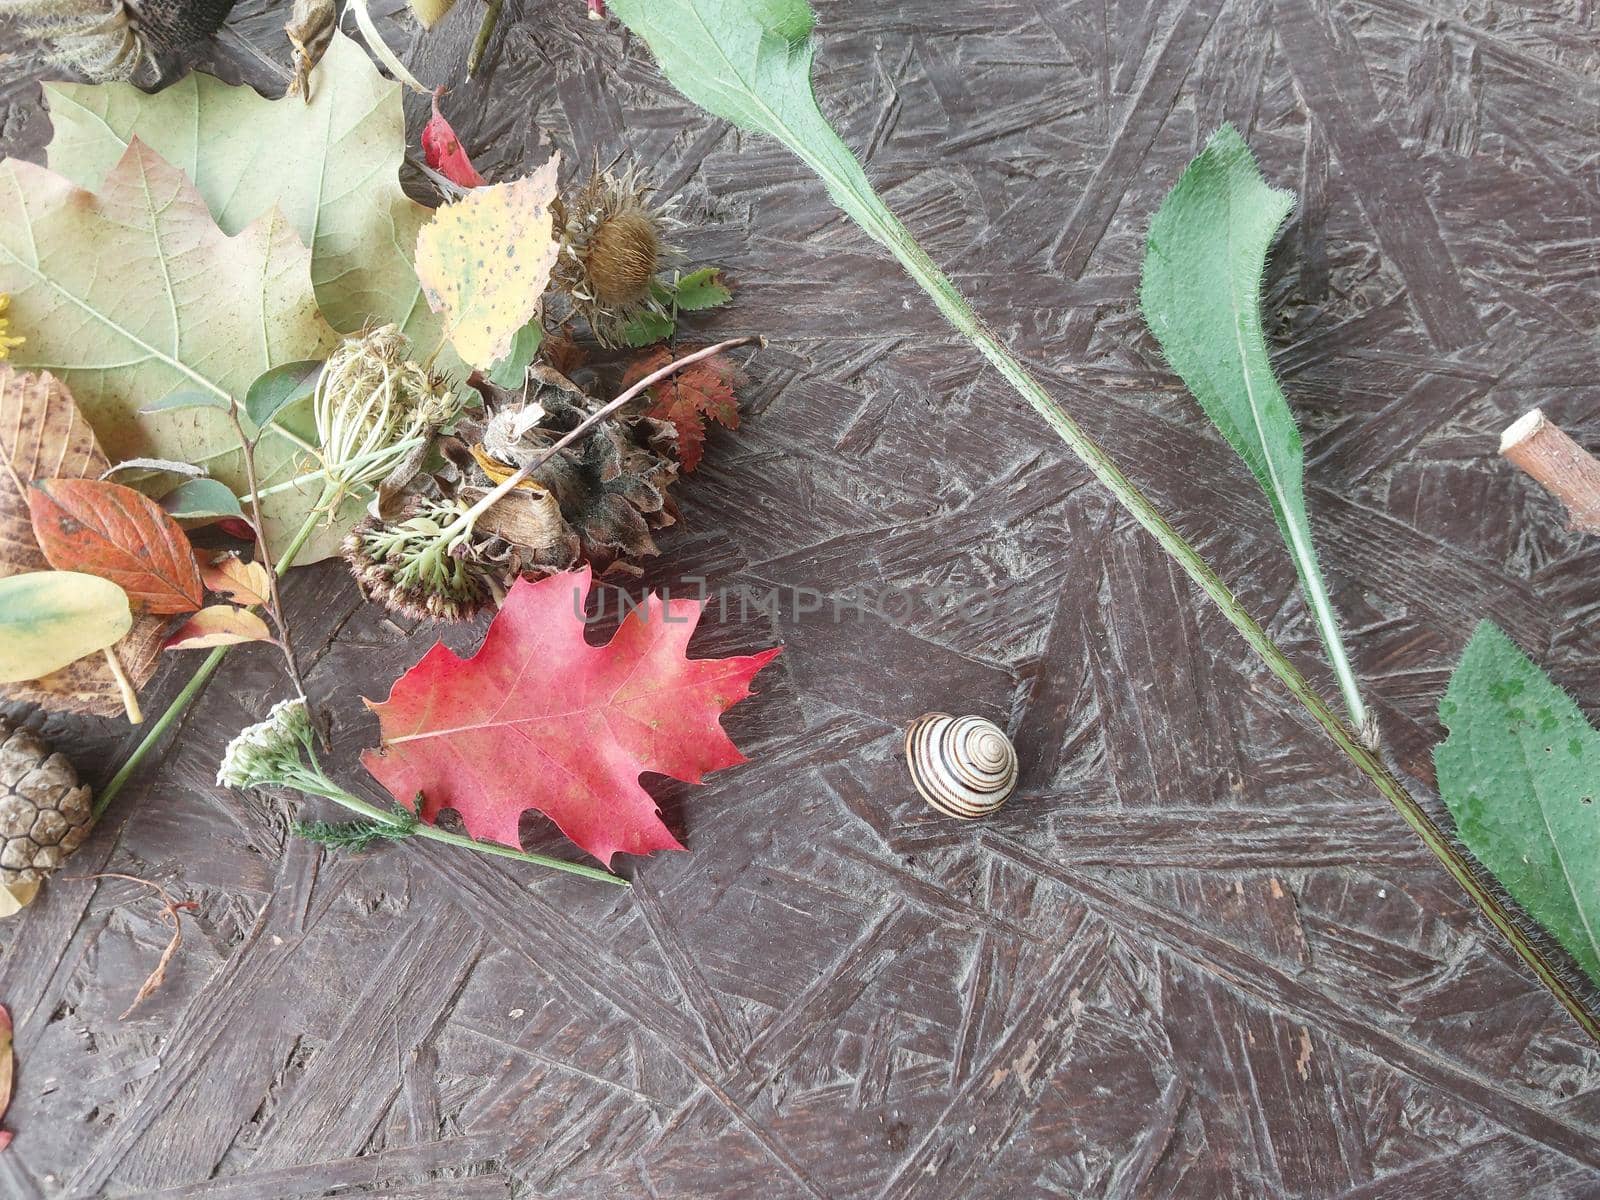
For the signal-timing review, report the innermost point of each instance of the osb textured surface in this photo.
(1197, 956)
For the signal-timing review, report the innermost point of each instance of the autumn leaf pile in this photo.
(296, 340)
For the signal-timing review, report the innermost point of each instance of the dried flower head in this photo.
(373, 406)
(613, 241)
(428, 563)
(267, 752)
(7, 342)
(118, 39)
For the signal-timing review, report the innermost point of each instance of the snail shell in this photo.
(963, 766)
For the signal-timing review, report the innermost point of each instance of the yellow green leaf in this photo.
(330, 165)
(51, 618)
(139, 278)
(484, 262)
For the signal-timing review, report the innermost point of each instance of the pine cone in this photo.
(45, 812)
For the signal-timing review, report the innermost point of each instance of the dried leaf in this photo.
(443, 151)
(1520, 773)
(242, 582)
(309, 30)
(43, 433)
(484, 262)
(51, 618)
(220, 625)
(185, 307)
(701, 391)
(539, 718)
(119, 534)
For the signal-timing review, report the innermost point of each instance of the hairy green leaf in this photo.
(1201, 294)
(51, 618)
(749, 62)
(1520, 773)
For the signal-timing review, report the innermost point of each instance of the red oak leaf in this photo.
(444, 153)
(539, 718)
(701, 391)
(119, 534)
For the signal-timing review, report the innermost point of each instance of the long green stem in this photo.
(196, 683)
(319, 785)
(888, 229)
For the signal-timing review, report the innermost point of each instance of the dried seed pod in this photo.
(613, 241)
(422, 564)
(963, 766)
(45, 814)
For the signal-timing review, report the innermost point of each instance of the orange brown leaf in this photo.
(220, 625)
(700, 392)
(119, 534)
(42, 433)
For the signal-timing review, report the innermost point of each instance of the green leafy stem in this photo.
(749, 62)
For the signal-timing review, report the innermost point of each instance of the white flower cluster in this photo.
(261, 754)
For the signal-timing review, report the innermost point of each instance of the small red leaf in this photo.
(219, 625)
(541, 719)
(701, 391)
(119, 534)
(443, 150)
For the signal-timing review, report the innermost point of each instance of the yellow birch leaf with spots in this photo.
(484, 262)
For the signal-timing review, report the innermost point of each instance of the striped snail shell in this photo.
(963, 766)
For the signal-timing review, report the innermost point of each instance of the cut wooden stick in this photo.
(1562, 467)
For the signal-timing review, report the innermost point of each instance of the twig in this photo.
(491, 17)
(170, 909)
(275, 601)
(1562, 467)
(502, 489)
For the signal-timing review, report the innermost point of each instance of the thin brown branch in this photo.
(170, 910)
(264, 552)
(1562, 467)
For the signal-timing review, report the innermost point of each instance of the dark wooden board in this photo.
(1197, 956)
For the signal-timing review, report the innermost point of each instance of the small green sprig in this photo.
(281, 752)
(693, 292)
(358, 835)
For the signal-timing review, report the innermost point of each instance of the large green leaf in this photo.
(133, 294)
(1201, 294)
(331, 167)
(1520, 773)
(749, 62)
